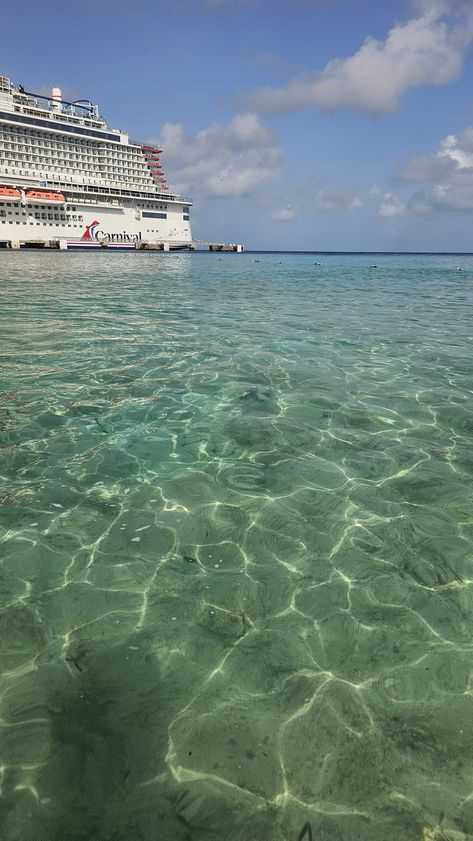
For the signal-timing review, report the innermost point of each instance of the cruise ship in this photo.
(68, 181)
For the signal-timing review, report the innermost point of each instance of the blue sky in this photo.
(293, 124)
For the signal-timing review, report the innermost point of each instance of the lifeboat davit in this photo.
(9, 193)
(45, 197)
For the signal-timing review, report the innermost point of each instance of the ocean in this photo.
(236, 547)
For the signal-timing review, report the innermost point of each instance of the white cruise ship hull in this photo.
(94, 226)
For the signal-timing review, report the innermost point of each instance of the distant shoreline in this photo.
(371, 253)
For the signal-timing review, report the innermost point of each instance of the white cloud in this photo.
(232, 160)
(448, 174)
(458, 149)
(428, 49)
(391, 207)
(342, 199)
(285, 214)
(374, 192)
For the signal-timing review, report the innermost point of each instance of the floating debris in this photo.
(143, 528)
(135, 539)
(56, 505)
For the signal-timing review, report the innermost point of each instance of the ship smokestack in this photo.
(56, 105)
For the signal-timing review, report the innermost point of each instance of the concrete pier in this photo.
(226, 246)
(62, 245)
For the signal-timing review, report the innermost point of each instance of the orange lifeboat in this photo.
(45, 197)
(9, 193)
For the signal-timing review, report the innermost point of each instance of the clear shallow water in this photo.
(236, 548)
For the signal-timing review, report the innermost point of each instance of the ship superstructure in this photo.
(65, 176)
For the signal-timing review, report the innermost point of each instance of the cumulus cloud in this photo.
(285, 214)
(447, 174)
(391, 207)
(428, 49)
(341, 199)
(232, 160)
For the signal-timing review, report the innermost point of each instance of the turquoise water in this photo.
(236, 550)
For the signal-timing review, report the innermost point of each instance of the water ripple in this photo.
(236, 548)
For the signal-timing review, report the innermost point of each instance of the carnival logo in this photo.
(89, 232)
(93, 232)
